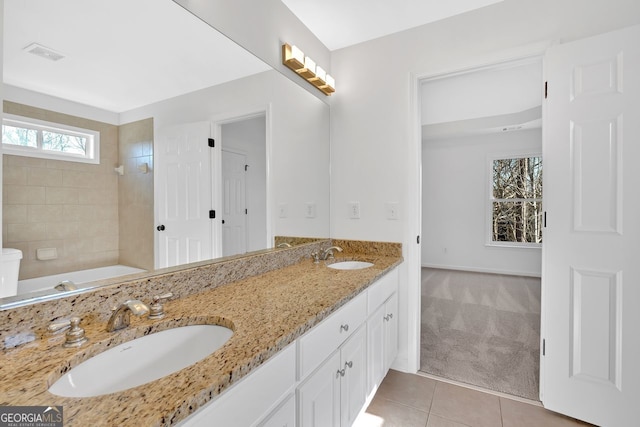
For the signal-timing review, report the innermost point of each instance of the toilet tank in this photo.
(10, 269)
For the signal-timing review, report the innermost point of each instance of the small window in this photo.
(516, 201)
(23, 136)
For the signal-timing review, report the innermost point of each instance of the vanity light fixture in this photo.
(306, 68)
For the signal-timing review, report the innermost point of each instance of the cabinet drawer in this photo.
(381, 290)
(317, 344)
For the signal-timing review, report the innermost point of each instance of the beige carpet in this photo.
(482, 329)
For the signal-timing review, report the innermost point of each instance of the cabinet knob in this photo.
(160, 227)
(344, 327)
(348, 364)
(340, 373)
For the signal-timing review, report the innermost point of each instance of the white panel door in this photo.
(234, 203)
(183, 180)
(591, 267)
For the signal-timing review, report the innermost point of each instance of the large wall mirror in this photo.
(204, 150)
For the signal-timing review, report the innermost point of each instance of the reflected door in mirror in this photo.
(183, 163)
(234, 204)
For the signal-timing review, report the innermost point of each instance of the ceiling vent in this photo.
(44, 52)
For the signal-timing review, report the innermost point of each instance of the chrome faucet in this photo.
(65, 285)
(328, 253)
(121, 316)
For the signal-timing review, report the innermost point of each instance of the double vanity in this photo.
(288, 336)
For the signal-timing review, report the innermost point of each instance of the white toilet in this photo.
(10, 269)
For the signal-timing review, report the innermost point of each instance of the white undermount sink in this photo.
(141, 361)
(350, 265)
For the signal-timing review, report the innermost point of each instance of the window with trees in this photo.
(516, 201)
(23, 136)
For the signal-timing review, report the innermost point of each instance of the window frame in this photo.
(92, 155)
(491, 200)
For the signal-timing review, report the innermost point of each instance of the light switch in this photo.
(392, 210)
(310, 210)
(354, 210)
(283, 210)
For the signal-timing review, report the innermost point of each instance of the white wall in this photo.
(455, 179)
(495, 91)
(375, 116)
(248, 137)
(298, 138)
(262, 27)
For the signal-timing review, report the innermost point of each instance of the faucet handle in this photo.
(315, 256)
(157, 308)
(59, 326)
(75, 336)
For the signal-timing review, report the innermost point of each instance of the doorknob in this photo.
(160, 228)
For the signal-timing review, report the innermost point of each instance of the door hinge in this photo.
(418, 240)
(544, 219)
(212, 142)
(544, 347)
(545, 90)
(246, 212)
(246, 168)
(212, 214)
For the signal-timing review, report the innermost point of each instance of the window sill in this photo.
(513, 245)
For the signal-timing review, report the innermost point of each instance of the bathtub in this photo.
(77, 277)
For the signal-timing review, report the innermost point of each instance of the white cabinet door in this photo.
(591, 276)
(319, 396)
(376, 348)
(382, 341)
(353, 384)
(390, 331)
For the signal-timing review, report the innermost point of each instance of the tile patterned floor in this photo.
(408, 400)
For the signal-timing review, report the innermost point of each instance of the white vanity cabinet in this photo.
(336, 390)
(317, 344)
(382, 328)
(334, 394)
(325, 376)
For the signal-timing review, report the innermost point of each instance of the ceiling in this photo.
(123, 54)
(119, 54)
(342, 23)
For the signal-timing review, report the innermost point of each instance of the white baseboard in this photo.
(485, 270)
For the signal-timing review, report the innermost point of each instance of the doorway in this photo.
(480, 321)
(244, 185)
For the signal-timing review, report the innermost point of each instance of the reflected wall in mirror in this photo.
(136, 82)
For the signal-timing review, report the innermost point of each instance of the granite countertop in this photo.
(266, 312)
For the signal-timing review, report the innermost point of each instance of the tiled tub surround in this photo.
(268, 299)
